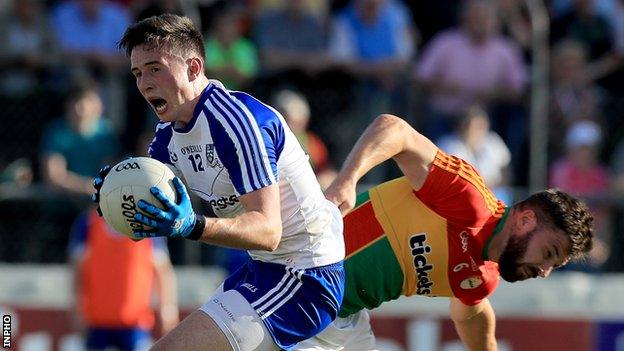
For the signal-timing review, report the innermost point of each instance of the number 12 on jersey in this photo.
(196, 161)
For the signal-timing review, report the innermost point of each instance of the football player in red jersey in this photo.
(439, 231)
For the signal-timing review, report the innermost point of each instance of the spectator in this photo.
(88, 32)
(74, 148)
(296, 111)
(473, 141)
(230, 57)
(114, 278)
(474, 64)
(27, 49)
(585, 24)
(374, 41)
(574, 96)
(291, 38)
(581, 173)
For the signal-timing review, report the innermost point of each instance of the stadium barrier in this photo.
(567, 312)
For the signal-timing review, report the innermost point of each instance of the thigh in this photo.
(197, 332)
(240, 323)
(352, 333)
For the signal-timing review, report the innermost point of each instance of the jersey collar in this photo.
(497, 229)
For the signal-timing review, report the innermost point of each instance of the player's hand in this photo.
(176, 220)
(97, 184)
(342, 193)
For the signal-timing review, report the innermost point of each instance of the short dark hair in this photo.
(79, 89)
(176, 32)
(561, 210)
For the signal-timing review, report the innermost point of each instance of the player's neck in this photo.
(498, 242)
(189, 107)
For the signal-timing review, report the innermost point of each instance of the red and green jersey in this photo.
(428, 242)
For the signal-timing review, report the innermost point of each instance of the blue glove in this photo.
(97, 184)
(176, 220)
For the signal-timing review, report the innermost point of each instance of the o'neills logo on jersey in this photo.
(191, 149)
(420, 251)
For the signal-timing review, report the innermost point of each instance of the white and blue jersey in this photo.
(236, 144)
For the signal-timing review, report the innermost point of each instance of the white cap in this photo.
(583, 133)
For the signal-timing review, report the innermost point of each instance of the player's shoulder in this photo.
(159, 146)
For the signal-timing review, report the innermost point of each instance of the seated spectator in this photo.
(74, 148)
(296, 111)
(27, 49)
(230, 57)
(474, 142)
(581, 173)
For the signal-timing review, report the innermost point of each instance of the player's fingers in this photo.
(164, 200)
(145, 219)
(180, 189)
(104, 171)
(97, 183)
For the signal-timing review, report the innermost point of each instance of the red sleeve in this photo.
(489, 281)
(456, 191)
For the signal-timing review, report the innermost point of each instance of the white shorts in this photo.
(239, 321)
(352, 333)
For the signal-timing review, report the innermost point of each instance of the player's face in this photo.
(534, 253)
(163, 80)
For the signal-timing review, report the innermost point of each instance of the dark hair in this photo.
(178, 33)
(559, 209)
(79, 89)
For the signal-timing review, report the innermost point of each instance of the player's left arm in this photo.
(387, 137)
(475, 324)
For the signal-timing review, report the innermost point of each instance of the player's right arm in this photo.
(388, 137)
(475, 324)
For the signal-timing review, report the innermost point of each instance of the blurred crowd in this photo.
(458, 70)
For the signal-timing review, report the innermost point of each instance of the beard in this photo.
(509, 263)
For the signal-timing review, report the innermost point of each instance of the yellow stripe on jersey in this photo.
(467, 172)
(421, 246)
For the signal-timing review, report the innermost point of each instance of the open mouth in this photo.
(160, 105)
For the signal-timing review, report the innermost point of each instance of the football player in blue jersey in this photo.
(238, 155)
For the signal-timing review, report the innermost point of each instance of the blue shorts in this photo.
(294, 304)
(129, 339)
